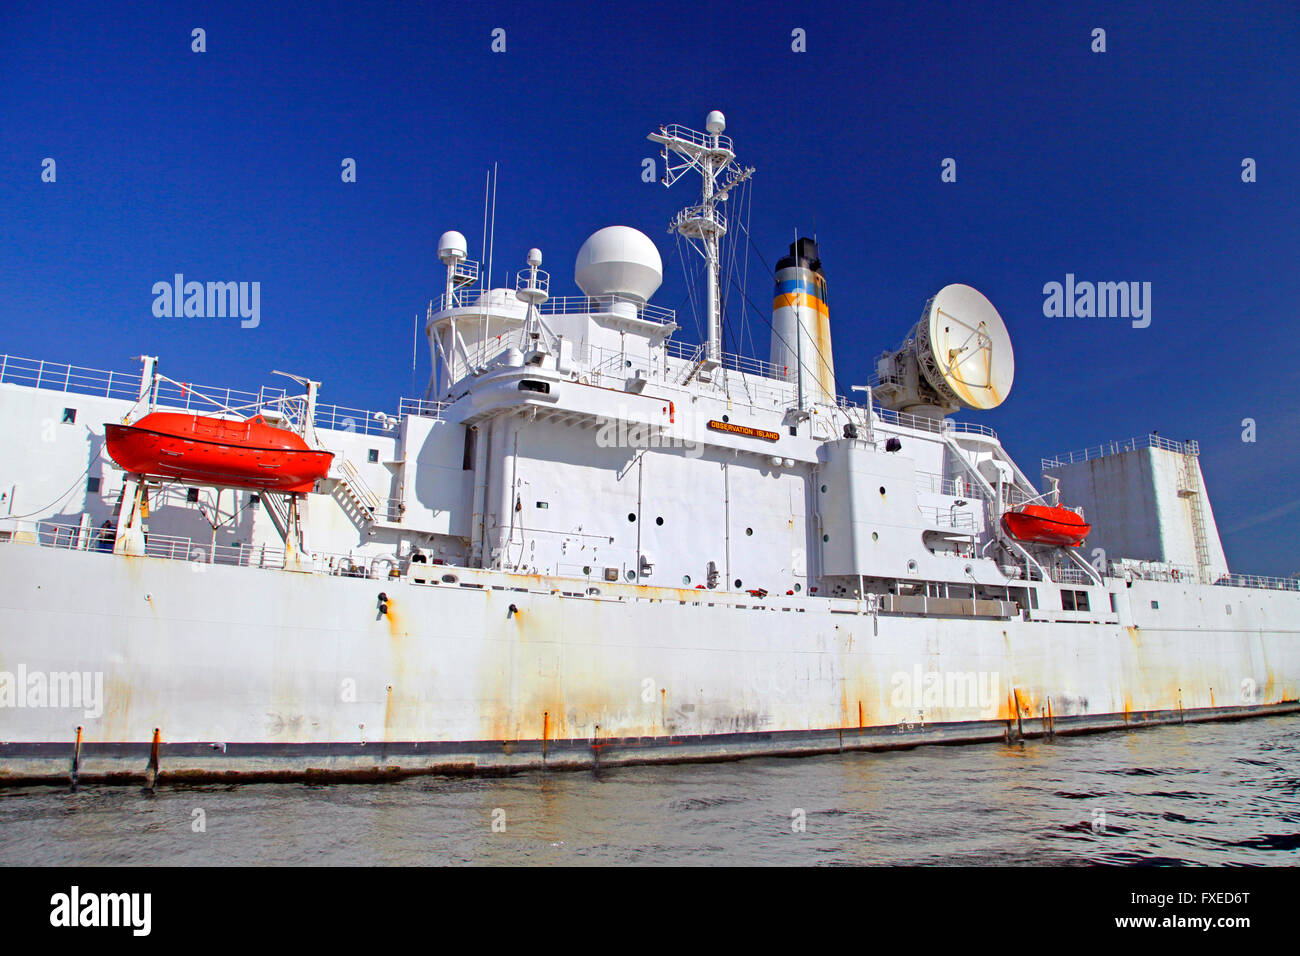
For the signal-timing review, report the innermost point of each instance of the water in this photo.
(1199, 794)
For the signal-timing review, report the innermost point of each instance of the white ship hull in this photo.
(302, 677)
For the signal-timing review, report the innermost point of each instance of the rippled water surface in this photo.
(1199, 794)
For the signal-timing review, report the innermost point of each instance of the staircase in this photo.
(277, 510)
(359, 501)
(697, 363)
(1190, 488)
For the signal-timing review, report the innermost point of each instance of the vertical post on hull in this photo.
(130, 519)
(294, 558)
(151, 772)
(149, 367)
(478, 525)
(76, 760)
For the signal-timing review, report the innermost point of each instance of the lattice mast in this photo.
(713, 156)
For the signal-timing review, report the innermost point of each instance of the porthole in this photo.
(826, 537)
(686, 579)
(449, 579)
(912, 566)
(875, 536)
(823, 489)
(882, 489)
(798, 588)
(631, 575)
(737, 582)
(725, 419)
(631, 516)
(586, 569)
(749, 532)
(659, 520)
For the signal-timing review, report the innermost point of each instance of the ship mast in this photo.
(711, 155)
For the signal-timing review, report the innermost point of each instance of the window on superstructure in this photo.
(92, 485)
(373, 456)
(467, 457)
(69, 416)
(1081, 600)
(192, 495)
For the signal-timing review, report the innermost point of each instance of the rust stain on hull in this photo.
(605, 751)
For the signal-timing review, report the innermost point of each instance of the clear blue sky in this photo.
(1120, 166)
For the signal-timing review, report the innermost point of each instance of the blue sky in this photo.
(1122, 166)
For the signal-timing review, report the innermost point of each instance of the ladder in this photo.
(1190, 489)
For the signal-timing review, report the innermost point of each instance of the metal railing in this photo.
(1118, 448)
(74, 379)
(1257, 581)
(929, 482)
(674, 131)
(947, 518)
(525, 281)
(1063, 575)
(56, 376)
(558, 305)
(1151, 571)
(69, 537)
(730, 360)
(423, 407)
(921, 423)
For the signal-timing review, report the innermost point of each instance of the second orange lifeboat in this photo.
(1046, 524)
(251, 453)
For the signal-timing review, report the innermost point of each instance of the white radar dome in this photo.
(451, 245)
(619, 260)
(715, 122)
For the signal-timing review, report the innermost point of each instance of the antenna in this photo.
(493, 233)
(958, 355)
(713, 156)
(415, 345)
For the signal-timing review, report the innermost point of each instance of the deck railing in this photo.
(76, 380)
(200, 554)
(1118, 448)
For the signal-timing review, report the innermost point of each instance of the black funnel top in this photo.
(803, 252)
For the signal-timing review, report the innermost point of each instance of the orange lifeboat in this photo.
(1045, 524)
(251, 453)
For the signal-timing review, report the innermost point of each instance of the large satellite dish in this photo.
(957, 356)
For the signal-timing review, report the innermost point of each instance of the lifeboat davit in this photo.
(251, 453)
(1044, 524)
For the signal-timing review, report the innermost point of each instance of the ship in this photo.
(590, 544)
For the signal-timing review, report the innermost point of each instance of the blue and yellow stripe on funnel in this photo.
(800, 292)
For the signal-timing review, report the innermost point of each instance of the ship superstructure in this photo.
(588, 542)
